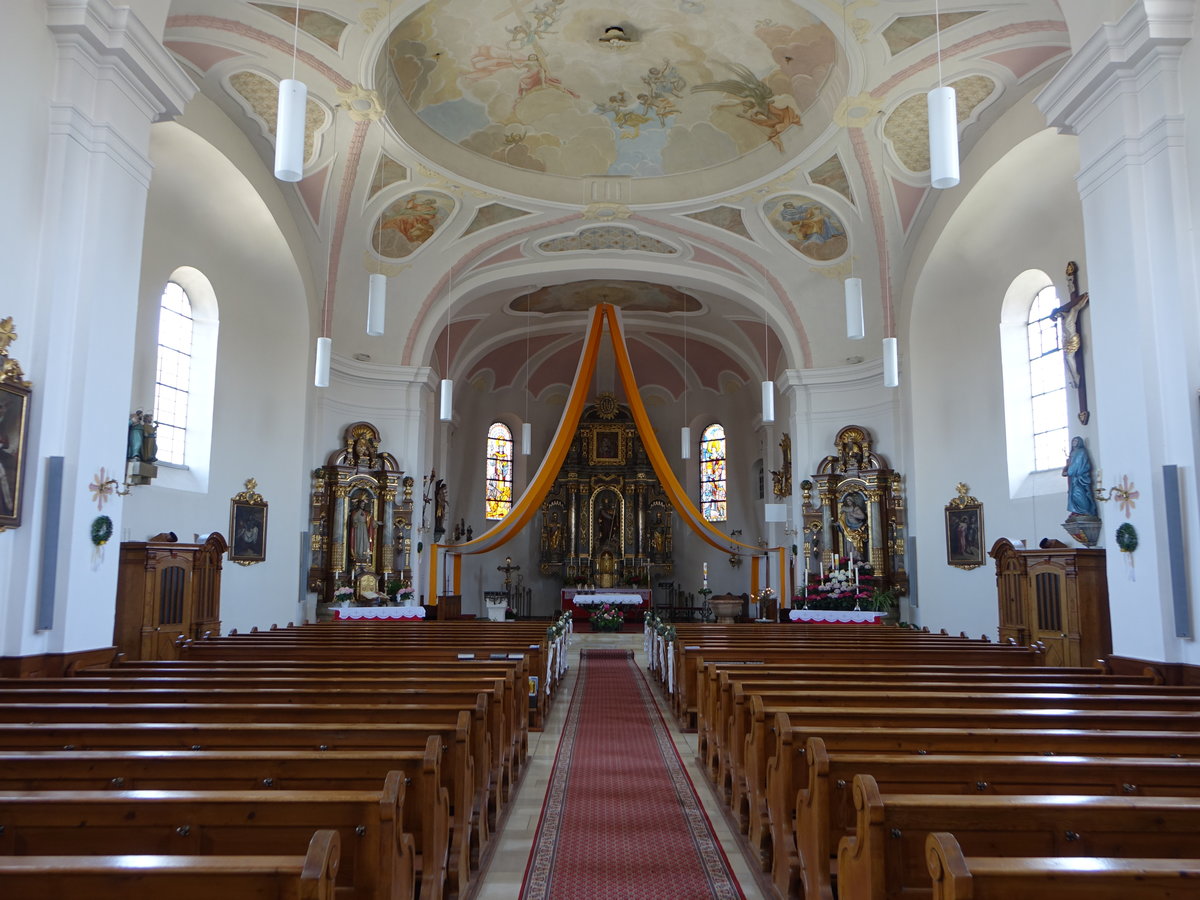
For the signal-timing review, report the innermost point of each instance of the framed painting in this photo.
(964, 531)
(248, 526)
(607, 447)
(14, 433)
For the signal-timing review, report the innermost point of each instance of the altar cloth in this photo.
(373, 613)
(615, 599)
(836, 616)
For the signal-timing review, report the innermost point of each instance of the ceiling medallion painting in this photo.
(408, 222)
(809, 227)
(536, 86)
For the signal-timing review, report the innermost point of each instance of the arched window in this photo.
(173, 378)
(1035, 398)
(712, 473)
(1047, 382)
(498, 497)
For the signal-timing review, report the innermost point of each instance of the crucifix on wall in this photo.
(1072, 338)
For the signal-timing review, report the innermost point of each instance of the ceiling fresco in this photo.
(708, 158)
(536, 86)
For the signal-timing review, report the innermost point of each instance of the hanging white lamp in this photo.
(289, 130)
(324, 354)
(891, 363)
(768, 401)
(446, 406)
(943, 137)
(856, 326)
(376, 304)
(942, 106)
(526, 438)
(685, 443)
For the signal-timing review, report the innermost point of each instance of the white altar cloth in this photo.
(615, 599)
(372, 613)
(855, 616)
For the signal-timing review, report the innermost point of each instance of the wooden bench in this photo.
(886, 855)
(377, 857)
(503, 739)
(308, 877)
(955, 876)
(749, 778)
(825, 810)
(426, 807)
(467, 834)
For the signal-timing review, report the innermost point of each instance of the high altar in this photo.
(606, 521)
(361, 518)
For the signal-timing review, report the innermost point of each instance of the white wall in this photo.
(953, 361)
(203, 213)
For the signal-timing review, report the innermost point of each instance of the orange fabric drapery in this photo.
(528, 503)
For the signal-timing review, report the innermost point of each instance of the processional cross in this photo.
(508, 568)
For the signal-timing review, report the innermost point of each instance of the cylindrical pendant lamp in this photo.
(891, 363)
(856, 326)
(685, 443)
(768, 401)
(376, 304)
(324, 353)
(446, 407)
(943, 137)
(289, 130)
(526, 438)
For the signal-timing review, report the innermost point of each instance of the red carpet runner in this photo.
(622, 819)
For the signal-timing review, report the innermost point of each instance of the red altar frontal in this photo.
(632, 602)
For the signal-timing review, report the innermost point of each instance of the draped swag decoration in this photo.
(535, 492)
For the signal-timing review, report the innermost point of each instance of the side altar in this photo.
(606, 521)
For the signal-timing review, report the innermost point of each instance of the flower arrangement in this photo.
(401, 592)
(840, 589)
(607, 618)
(846, 587)
(343, 594)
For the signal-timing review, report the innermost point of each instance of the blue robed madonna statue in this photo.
(1081, 500)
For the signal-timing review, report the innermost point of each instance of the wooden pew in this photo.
(408, 696)
(308, 877)
(886, 855)
(825, 809)
(426, 808)
(377, 857)
(955, 876)
(457, 768)
(983, 711)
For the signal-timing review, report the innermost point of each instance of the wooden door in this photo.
(169, 601)
(1051, 614)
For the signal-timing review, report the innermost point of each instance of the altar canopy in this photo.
(539, 486)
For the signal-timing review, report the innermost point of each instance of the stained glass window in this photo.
(1047, 382)
(174, 373)
(498, 498)
(712, 473)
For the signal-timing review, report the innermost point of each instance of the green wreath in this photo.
(101, 530)
(1127, 539)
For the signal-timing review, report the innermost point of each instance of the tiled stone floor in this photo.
(505, 866)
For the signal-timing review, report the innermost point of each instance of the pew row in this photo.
(886, 855)
(152, 877)
(955, 876)
(426, 814)
(376, 855)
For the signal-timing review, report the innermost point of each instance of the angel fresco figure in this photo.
(415, 220)
(623, 117)
(809, 223)
(757, 104)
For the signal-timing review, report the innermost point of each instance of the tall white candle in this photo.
(705, 574)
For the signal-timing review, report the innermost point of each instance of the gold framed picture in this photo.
(964, 531)
(14, 433)
(608, 446)
(248, 526)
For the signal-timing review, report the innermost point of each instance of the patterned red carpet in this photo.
(622, 819)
